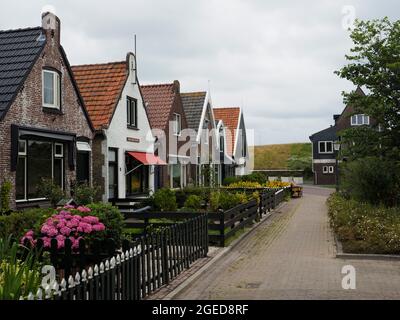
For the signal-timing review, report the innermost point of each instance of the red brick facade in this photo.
(27, 110)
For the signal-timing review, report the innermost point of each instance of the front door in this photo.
(137, 179)
(112, 173)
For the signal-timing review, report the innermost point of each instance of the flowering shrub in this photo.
(69, 223)
(277, 184)
(364, 228)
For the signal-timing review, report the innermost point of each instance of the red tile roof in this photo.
(230, 118)
(101, 86)
(158, 99)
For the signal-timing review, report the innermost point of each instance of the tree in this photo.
(374, 64)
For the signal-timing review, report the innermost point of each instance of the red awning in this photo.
(147, 158)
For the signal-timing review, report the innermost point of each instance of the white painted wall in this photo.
(242, 162)
(118, 132)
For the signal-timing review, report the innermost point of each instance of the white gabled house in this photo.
(123, 147)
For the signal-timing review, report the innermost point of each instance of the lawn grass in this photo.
(282, 156)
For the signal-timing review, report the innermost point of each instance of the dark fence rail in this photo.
(144, 265)
(221, 225)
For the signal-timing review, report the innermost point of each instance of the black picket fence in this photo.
(221, 225)
(144, 265)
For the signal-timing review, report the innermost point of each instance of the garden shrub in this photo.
(83, 194)
(372, 180)
(112, 219)
(193, 202)
(226, 200)
(5, 191)
(165, 200)
(18, 223)
(365, 228)
(49, 190)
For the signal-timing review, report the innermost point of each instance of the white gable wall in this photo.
(118, 132)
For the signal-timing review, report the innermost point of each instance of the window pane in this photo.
(58, 172)
(366, 119)
(48, 90)
(112, 156)
(39, 165)
(321, 147)
(82, 166)
(359, 119)
(176, 176)
(20, 179)
(133, 112)
(58, 149)
(128, 111)
(329, 147)
(22, 146)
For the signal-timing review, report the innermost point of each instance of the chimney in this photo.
(51, 24)
(177, 86)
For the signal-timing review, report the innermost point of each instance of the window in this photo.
(177, 124)
(325, 147)
(38, 160)
(327, 169)
(175, 175)
(112, 173)
(359, 119)
(51, 89)
(244, 144)
(131, 108)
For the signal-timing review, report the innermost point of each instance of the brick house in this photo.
(45, 131)
(123, 146)
(168, 121)
(236, 141)
(323, 153)
(200, 119)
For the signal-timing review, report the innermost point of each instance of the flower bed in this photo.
(364, 228)
(68, 223)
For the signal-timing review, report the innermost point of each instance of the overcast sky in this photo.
(274, 58)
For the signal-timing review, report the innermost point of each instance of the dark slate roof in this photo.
(328, 134)
(193, 103)
(19, 50)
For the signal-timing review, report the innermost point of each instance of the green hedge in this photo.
(364, 228)
(18, 223)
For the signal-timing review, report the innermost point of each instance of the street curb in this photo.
(362, 256)
(220, 255)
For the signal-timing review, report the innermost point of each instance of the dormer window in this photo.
(359, 120)
(51, 89)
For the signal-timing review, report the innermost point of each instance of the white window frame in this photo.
(56, 89)
(325, 143)
(354, 119)
(129, 112)
(330, 169)
(58, 155)
(325, 169)
(177, 124)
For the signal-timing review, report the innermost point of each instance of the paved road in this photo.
(292, 256)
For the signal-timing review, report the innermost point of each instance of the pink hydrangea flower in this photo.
(83, 209)
(90, 219)
(65, 231)
(98, 227)
(68, 206)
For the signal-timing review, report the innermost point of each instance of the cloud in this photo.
(276, 59)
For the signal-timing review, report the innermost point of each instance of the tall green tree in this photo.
(374, 65)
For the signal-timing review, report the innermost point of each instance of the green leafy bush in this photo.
(111, 217)
(165, 200)
(364, 228)
(48, 189)
(5, 191)
(18, 223)
(372, 180)
(193, 202)
(84, 194)
(226, 200)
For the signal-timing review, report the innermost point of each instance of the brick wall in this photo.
(27, 110)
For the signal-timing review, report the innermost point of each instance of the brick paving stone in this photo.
(292, 256)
